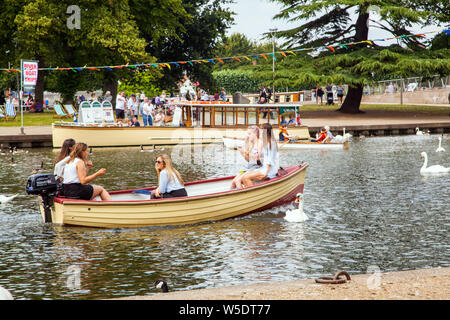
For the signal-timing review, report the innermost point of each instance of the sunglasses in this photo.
(158, 161)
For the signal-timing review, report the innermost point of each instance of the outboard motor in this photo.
(46, 186)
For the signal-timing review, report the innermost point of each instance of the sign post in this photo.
(28, 80)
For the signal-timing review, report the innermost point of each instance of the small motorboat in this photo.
(208, 200)
(234, 143)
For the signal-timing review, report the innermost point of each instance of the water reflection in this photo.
(367, 206)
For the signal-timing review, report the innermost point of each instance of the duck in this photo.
(440, 149)
(5, 294)
(297, 215)
(432, 169)
(151, 150)
(5, 199)
(161, 284)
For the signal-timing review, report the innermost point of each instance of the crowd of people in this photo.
(330, 90)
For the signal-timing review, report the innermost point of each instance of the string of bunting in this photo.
(284, 53)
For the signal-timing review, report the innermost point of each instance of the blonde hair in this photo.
(169, 167)
(249, 145)
(77, 151)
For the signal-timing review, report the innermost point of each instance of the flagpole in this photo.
(20, 97)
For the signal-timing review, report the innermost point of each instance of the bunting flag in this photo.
(222, 60)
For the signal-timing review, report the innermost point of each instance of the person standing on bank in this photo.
(170, 183)
(75, 178)
(120, 106)
(147, 112)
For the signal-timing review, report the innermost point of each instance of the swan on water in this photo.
(297, 215)
(440, 149)
(5, 199)
(432, 169)
(5, 294)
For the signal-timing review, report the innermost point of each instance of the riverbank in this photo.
(424, 284)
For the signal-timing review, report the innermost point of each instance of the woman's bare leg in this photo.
(251, 176)
(100, 191)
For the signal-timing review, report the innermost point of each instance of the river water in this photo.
(368, 208)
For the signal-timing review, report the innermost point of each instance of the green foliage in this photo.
(145, 81)
(236, 80)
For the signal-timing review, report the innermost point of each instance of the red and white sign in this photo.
(30, 73)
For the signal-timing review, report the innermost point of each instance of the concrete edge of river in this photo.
(422, 284)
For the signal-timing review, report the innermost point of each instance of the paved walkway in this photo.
(426, 284)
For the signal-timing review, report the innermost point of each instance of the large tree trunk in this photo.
(111, 85)
(352, 101)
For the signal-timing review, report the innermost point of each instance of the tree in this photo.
(196, 38)
(329, 23)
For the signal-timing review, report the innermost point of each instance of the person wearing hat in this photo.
(108, 96)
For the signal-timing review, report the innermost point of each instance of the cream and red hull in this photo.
(234, 143)
(179, 211)
(124, 136)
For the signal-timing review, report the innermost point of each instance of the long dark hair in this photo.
(65, 149)
(268, 137)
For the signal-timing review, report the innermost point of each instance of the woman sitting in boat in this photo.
(62, 158)
(269, 150)
(251, 153)
(170, 183)
(75, 178)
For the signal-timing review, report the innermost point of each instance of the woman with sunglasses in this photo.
(170, 183)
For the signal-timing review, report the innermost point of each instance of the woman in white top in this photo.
(269, 151)
(251, 153)
(75, 176)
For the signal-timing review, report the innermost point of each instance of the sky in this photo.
(254, 17)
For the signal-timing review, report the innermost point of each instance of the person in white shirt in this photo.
(62, 158)
(120, 106)
(147, 112)
(75, 178)
(132, 107)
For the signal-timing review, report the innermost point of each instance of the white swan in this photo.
(346, 135)
(5, 294)
(418, 132)
(440, 149)
(432, 169)
(5, 199)
(297, 215)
